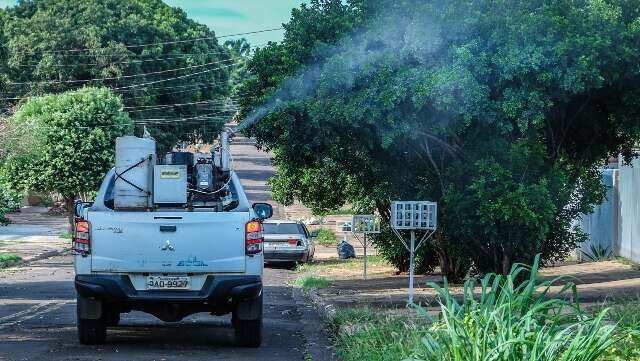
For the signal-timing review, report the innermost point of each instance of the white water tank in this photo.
(135, 158)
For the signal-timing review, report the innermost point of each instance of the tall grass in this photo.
(626, 315)
(310, 281)
(509, 320)
(364, 334)
(512, 318)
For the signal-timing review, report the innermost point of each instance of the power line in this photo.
(170, 79)
(182, 56)
(217, 101)
(217, 108)
(117, 77)
(159, 43)
(156, 121)
(124, 88)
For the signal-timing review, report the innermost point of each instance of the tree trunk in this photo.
(506, 264)
(68, 204)
(454, 268)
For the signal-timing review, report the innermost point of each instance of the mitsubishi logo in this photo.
(168, 246)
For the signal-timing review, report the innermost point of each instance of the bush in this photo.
(394, 252)
(598, 253)
(9, 202)
(9, 259)
(326, 237)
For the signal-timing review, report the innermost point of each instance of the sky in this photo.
(234, 16)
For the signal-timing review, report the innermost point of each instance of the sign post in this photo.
(412, 216)
(365, 224)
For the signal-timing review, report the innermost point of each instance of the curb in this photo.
(44, 255)
(326, 310)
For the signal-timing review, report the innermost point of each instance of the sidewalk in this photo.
(34, 234)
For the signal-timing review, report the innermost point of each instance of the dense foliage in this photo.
(502, 117)
(9, 202)
(51, 46)
(73, 136)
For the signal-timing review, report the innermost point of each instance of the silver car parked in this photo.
(287, 241)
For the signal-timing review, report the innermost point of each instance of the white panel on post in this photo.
(419, 215)
(366, 224)
(414, 216)
(343, 226)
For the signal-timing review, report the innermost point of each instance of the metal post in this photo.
(412, 252)
(365, 256)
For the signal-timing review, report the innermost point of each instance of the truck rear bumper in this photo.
(281, 256)
(216, 291)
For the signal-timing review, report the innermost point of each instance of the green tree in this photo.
(73, 142)
(502, 117)
(52, 46)
(240, 51)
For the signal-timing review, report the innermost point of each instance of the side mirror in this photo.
(263, 210)
(314, 234)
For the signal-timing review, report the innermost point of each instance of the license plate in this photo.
(168, 283)
(277, 245)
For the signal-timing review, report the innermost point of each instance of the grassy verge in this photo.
(9, 260)
(626, 315)
(363, 334)
(309, 281)
(499, 319)
(326, 266)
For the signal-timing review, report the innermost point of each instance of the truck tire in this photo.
(248, 332)
(91, 332)
(112, 318)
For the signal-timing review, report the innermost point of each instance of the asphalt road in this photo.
(37, 322)
(37, 311)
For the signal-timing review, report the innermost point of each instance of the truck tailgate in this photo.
(171, 242)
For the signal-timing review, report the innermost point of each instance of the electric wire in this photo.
(214, 37)
(170, 79)
(137, 61)
(117, 77)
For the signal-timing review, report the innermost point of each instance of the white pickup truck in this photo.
(170, 262)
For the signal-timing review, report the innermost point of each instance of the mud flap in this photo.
(249, 309)
(89, 308)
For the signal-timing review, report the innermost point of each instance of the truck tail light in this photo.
(81, 241)
(253, 237)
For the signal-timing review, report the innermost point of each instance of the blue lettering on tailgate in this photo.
(191, 262)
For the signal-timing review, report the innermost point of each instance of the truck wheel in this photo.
(91, 332)
(112, 318)
(248, 332)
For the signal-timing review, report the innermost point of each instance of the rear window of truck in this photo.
(283, 228)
